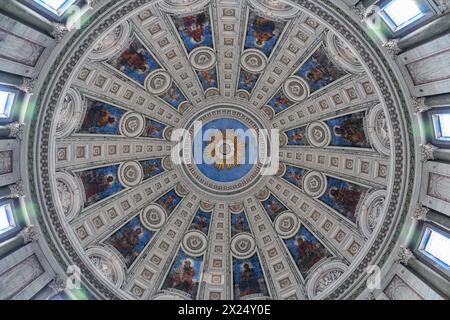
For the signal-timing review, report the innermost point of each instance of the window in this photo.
(6, 101)
(441, 123)
(7, 222)
(57, 7)
(435, 247)
(403, 14)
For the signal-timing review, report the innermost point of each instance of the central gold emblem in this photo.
(226, 149)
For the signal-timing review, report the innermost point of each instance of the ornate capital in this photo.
(16, 189)
(392, 47)
(427, 152)
(359, 10)
(29, 234)
(59, 31)
(421, 212)
(419, 105)
(404, 255)
(16, 130)
(27, 85)
(443, 5)
(58, 284)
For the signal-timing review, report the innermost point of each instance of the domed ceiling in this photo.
(140, 225)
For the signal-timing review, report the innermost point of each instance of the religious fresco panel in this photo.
(130, 240)
(151, 167)
(239, 224)
(201, 221)
(173, 96)
(100, 183)
(262, 33)
(154, 129)
(135, 61)
(319, 70)
(297, 137)
(280, 102)
(344, 197)
(195, 30)
(101, 118)
(248, 278)
(184, 274)
(273, 207)
(169, 201)
(208, 78)
(294, 175)
(247, 80)
(348, 131)
(306, 250)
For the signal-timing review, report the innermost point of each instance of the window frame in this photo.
(397, 31)
(425, 257)
(17, 222)
(432, 131)
(12, 110)
(49, 13)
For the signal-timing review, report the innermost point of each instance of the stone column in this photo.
(438, 282)
(431, 152)
(10, 79)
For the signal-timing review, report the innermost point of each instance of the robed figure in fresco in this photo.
(97, 117)
(347, 199)
(183, 277)
(263, 30)
(248, 281)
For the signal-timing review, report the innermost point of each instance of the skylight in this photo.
(57, 7)
(403, 12)
(438, 246)
(444, 125)
(6, 219)
(6, 100)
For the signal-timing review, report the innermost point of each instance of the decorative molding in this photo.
(16, 189)
(29, 234)
(16, 130)
(58, 284)
(418, 105)
(392, 47)
(59, 31)
(28, 85)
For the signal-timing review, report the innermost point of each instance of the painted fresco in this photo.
(262, 33)
(100, 183)
(348, 131)
(248, 278)
(306, 250)
(294, 175)
(130, 240)
(195, 30)
(169, 201)
(101, 118)
(208, 78)
(297, 137)
(219, 169)
(319, 70)
(239, 223)
(184, 275)
(173, 96)
(247, 80)
(280, 102)
(136, 62)
(153, 129)
(151, 167)
(344, 197)
(201, 221)
(273, 207)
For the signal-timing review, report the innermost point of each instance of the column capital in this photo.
(419, 105)
(29, 234)
(443, 6)
(421, 212)
(359, 10)
(58, 284)
(16, 189)
(16, 130)
(392, 47)
(59, 31)
(427, 152)
(28, 85)
(404, 255)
